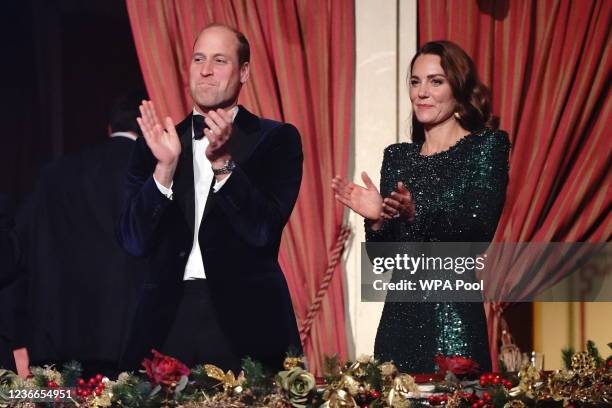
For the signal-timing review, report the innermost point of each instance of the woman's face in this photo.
(430, 93)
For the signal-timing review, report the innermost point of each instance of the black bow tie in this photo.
(198, 126)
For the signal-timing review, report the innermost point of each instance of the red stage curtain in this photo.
(302, 72)
(548, 64)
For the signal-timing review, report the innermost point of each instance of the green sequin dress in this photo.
(459, 195)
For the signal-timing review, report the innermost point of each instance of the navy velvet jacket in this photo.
(239, 238)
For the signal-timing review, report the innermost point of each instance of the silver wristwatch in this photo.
(227, 168)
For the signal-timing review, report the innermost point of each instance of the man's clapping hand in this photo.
(164, 143)
(218, 134)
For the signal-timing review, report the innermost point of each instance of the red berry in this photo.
(99, 377)
(486, 395)
(474, 405)
(81, 381)
(496, 380)
(85, 393)
(490, 377)
(375, 394)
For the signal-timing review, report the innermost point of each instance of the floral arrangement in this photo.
(166, 382)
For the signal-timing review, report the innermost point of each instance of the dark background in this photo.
(64, 62)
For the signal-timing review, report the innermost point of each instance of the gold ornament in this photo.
(292, 362)
(403, 384)
(583, 364)
(515, 404)
(388, 369)
(350, 384)
(529, 377)
(340, 399)
(228, 379)
(357, 369)
(454, 401)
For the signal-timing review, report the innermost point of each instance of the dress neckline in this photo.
(458, 143)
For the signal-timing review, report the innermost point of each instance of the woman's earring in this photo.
(457, 115)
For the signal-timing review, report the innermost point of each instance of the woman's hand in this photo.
(399, 205)
(366, 202)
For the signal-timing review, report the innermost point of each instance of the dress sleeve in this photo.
(484, 203)
(387, 232)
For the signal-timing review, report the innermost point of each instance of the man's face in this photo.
(215, 75)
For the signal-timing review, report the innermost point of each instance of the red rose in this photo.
(164, 369)
(456, 364)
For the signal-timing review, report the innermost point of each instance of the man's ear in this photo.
(244, 72)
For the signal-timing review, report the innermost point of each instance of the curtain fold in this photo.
(548, 65)
(302, 72)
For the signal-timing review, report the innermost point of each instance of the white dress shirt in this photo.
(202, 178)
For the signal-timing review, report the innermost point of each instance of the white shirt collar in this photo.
(234, 112)
(124, 134)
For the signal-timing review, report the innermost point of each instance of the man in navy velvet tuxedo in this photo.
(207, 202)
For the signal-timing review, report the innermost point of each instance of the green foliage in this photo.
(7, 377)
(567, 354)
(294, 352)
(499, 397)
(71, 372)
(374, 376)
(40, 379)
(133, 393)
(594, 352)
(257, 378)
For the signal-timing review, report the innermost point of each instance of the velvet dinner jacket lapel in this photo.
(246, 134)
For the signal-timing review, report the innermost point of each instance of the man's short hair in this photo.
(244, 49)
(125, 110)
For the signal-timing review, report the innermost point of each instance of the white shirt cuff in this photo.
(219, 184)
(164, 190)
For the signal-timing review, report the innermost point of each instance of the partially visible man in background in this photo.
(79, 281)
(8, 273)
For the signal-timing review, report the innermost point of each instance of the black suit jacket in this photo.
(8, 272)
(80, 283)
(239, 238)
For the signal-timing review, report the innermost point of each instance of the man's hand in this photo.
(399, 205)
(218, 133)
(164, 143)
(366, 202)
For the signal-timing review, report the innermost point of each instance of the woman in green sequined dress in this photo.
(447, 186)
